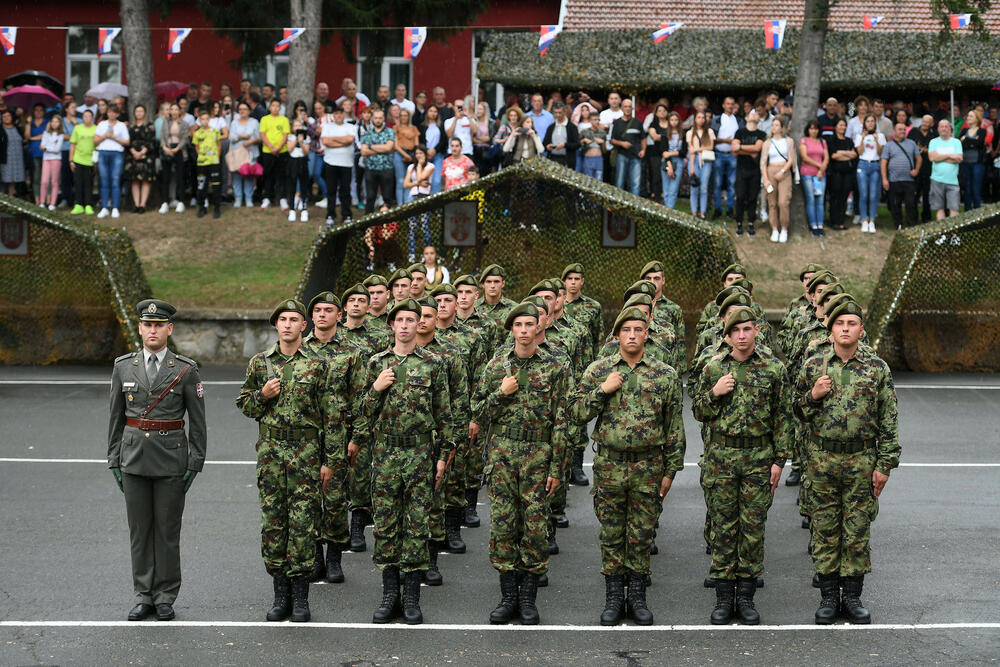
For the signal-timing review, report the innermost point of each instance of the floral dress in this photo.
(141, 169)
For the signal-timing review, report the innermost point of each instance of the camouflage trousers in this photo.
(359, 481)
(843, 507)
(402, 495)
(288, 483)
(515, 475)
(559, 499)
(627, 504)
(449, 494)
(333, 524)
(737, 490)
(472, 461)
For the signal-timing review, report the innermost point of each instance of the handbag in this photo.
(708, 156)
(237, 157)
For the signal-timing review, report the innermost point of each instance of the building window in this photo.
(493, 91)
(273, 69)
(392, 71)
(84, 69)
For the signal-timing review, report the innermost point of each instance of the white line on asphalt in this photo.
(468, 627)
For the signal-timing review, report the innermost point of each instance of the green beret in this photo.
(324, 297)
(544, 286)
(406, 304)
(844, 307)
(154, 310)
(523, 309)
(417, 268)
(831, 303)
(560, 285)
(465, 279)
(444, 288)
(728, 292)
(639, 300)
(373, 280)
(641, 287)
(810, 268)
(734, 268)
(399, 274)
(427, 301)
(537, 301)
(745, 283)
(738, 316)
(821, 278)
(356, 288)
(492, 270)
(829, 292)
(737, 298)
(288, 305)
(627, 315)
(572, 268)
(651, 267)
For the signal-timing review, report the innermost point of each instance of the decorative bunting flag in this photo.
(291, 34)
(8, 35)
(960, 20)
(549, 33)
(774, 32)
(105, 36)
(413, 41)
(870, 22)
(177, 35)
(666, 29)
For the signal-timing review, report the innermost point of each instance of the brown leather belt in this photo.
(154, 424)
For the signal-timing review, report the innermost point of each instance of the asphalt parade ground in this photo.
(65, 583)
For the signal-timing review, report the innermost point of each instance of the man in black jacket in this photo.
(561, 141)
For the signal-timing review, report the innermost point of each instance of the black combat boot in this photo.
(334, 573)
(300, 600)
(794, 478)
(508, 599)
(432, 576)
(319, 568)
(577, 476)
(829, 589)
(815, 581)
(526, 598)
(411, 598)
(746, 613)
(388, 608)
(851, 600)
(806, 522)
(543, 580)
(653, 549)
(470, 518)
(553, 546)
(282, 607)
(636, 604)
(453, 530)
(358, 531)
(562, 521)
(723, 612)
(614, 599)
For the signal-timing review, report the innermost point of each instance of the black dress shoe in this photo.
(140, 612)
(164, 612)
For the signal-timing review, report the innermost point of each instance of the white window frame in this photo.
(270, 70)
(95, 72)
(383, 78)
(499, 96)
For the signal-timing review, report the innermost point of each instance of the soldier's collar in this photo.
(618, 359)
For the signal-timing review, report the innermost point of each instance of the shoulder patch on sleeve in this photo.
(188, 360)
(126, 356)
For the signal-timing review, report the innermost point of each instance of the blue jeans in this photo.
(814, 188)
(436, 178)
(111, 163)
(399, 169)
(593, 166)
(671, 186)
(869, 189)
(973, 174)
(725, 173)
(699, 195)
(243, 187)
(630, 166)
(316, 173)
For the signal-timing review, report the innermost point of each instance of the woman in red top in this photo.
(455, 167)
(815, 159)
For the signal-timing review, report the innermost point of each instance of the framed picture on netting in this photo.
(461, 229)
(617, 230)
(14, 235)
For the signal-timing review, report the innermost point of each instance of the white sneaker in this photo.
(115, 213)
(783, 237)
(774, 236)
(164, 207)
(103, 213)
(321, 203)
(329, 222)
(180, 208)
(304, 216)
(265, 203)
(864, 226)
(284, 204)
(237, 204)
(763, 215)
(52, 207)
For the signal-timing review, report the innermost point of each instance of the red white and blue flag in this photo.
(666, 29)
(960, 20)
(774, 32)
(105, 36)
(870, 22)
(291, 34)
(548, 34)
(177, 35)
(413, 41)
(8, 35)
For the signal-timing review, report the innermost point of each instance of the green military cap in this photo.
(406, 304)
(324, 297)
(575, 267)
(537, 301)
(745, 283)
(444, 288)
(821, 278)
(811, 267)
(356, 288)
(154, 310)
(546, 285)
(737, 298)
(728, 292)
(651, 267)
(427, 301)
(627, 315)
(417, 268)
(829, 291)
(844, 307)
(524, 309)
(375, 279)
(835, 298)
(738, 316)
(641, 287)
(492, 270)
(734, 268)
(560, 285)
(286, 306)
(638, 300)
(399, 274)
(465, 279)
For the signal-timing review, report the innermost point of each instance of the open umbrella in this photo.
(35, 77)
(26, 97)
(170, 90)
(107, 90)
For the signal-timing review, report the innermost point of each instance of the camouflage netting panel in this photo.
(534, 219)
(937, 303)
(72, 296)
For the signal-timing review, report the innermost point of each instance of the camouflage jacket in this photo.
(568, 339)
(757, 406)
(583, 339)
(711, 334)
(458, 385)
(471, 345)
(380, 321)
(589, 312)
(793, 319)
(347, 367)
(653, 349)
(369, 337)
(860, 406)
(498, 313)
(814, 330)
(705, 355)
(308, 397)
(538, 405)
(646, 413)
(491, 332)
(669, 317)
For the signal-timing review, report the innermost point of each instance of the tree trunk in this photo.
(303, 53)
(807, 85)
(138, 55)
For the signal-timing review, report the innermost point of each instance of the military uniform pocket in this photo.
(487, 474)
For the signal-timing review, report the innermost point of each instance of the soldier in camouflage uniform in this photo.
(378, 301)
(399, 287)
(653, 348)
(662, 334)
(710, 313)
(637, 403)
(405, 404)
(847, 398)
(467, 292)
(348, 371)
(789, 325)
(741, 397)
(418, 281)
(291, 393)
(583, 308)
(493, 303)
(666, 312)
(520, 401)
(713, 331)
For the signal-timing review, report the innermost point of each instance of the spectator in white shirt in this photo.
(460, 126)
(111, 137)
(338, 139)
(400, 99)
